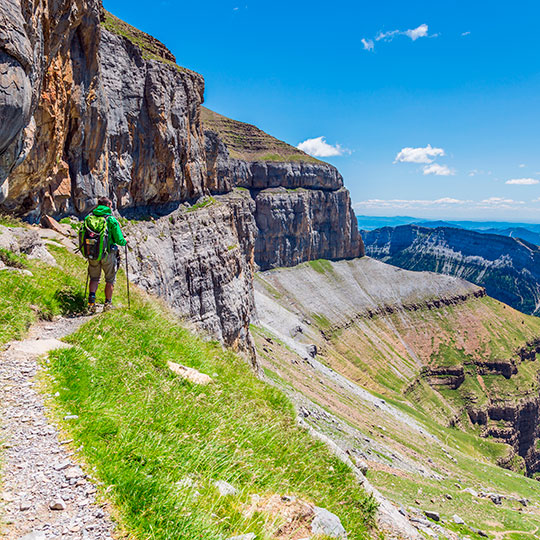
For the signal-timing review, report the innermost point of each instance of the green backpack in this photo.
(94, 237)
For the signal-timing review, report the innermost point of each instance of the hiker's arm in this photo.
(116, 232)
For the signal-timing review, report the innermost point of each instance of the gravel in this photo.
(45, 492)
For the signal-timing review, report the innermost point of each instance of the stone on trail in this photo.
(225, 488)
(326, 523)
(458, 520)
(431, 514)
(37, 347)
(25, 505)
(36, 535)
(57, 504)
(74, 472)
(190, 374)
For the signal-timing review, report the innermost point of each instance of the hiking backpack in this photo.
(94, 237)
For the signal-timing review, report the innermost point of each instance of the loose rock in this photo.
(327, 523)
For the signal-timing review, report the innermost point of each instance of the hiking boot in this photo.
(107, 306)
(91, 308)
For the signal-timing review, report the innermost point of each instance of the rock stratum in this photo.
(91, 107)
(507, 267)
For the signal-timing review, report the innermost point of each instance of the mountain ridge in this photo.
(505, 266)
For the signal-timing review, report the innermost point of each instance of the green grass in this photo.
(202, 203)
(151, 48)
(145, 429)
(248, 142)
(322, 266)
(12, 259)
(10, 221)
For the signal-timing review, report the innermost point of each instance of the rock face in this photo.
(508, 268)
(303, 212)
(201, 262)
(93, 107)
(113, 122)
(31, 34)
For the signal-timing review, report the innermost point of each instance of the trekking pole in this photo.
(127, 277)
(86, 287)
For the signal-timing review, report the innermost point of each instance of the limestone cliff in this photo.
(31, 35)
(111, 113)
(303, 212)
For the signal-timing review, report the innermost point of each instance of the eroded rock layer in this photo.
(200, 260)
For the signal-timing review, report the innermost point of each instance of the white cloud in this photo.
(368, 44)
(387, 36)
(418, 155)
(413, 33)
(522, 165)
(465, 33)
(497, 200)
(438, 170)
(318, 147)
(522, 181)
(491, 203)
(418, 32)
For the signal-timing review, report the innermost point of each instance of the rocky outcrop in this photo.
(304, 225)
(303, 212)
(112, 122)
(200, 260)
(507, 267)
(31, 35)
(520, 428)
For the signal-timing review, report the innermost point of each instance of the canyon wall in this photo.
(506, 267)
(93, 107)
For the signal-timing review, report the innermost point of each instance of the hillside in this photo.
(177, 434)
(507, 267)
(422, 378)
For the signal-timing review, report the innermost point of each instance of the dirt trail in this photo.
(45, 493)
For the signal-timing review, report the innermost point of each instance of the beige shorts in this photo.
(109, 265)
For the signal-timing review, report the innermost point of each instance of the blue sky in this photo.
(433, 107)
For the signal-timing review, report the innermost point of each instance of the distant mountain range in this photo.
(526, 231)
(508, 267)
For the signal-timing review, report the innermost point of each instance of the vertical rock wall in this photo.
(91, 106)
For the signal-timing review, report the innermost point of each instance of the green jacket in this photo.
(115, 233)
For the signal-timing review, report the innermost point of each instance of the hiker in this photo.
(99, 240)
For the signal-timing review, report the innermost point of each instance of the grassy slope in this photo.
(247, 142)
(144, 429)
(385, 354)
(151, 48)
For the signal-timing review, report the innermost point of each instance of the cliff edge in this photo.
(94, 107)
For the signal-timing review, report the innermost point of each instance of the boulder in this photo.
(431, 514)
(49, 222)
(327, 523)
(190, 374)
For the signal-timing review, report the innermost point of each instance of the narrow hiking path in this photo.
(45, 493)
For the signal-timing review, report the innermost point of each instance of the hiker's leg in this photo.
(110, 267)
(109, 288)
(94, 271)
(94, 286)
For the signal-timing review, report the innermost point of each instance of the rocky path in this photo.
(45, 494)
